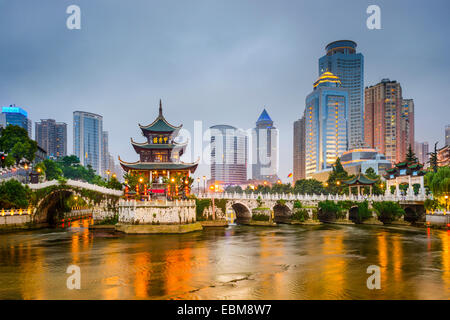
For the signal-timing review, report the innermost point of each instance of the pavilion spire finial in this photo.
(160, 108)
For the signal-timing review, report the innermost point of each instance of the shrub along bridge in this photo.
(282, 205)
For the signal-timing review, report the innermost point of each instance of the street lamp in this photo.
(198, 184)
(446, 199)
(213, 188)
(204, 184)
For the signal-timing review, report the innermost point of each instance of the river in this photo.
(239, 262)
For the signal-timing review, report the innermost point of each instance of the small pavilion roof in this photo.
(158, 146)
(127, 166)
(360, 179)
(160, 124)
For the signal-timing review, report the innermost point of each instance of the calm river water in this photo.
(240, 262)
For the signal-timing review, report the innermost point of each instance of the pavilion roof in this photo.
(160, 124)
(360, 179)
(158, 146)
(127, 166)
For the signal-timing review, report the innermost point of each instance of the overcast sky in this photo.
(216, 61)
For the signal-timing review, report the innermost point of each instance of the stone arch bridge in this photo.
(51, 194)
(282, 205)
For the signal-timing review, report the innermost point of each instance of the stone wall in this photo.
(438, 219)
(157, 212)
(15, 220)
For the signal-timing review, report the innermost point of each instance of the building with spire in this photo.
(265, 149)
(326, 125)
(159, 167)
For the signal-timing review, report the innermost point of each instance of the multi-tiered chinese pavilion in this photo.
(159, 169)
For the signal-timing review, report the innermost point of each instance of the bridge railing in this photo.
(312, 197)
(77, 184)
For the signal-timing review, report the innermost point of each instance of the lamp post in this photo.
(212, 188)
(204, 184)
(446, 199)
(198, 185)
(107, 173)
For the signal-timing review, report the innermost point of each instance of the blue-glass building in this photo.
(87, 139)
(326, 123)
(342, 60)
(265, 149)
(16, 116)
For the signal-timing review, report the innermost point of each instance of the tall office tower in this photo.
(15, 116)
(87, 139)
(421, 150)
(299, 150)
(265, 149)
(447, 135)
(342, 60)
(105, 154)
(406, 127)
(30, 128)
(383, 119)
(326, 123)
(52, 137)
(228, 155)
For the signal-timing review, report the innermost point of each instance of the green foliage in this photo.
(260, 217)
(309, 186)
(201, 204)
(410, 156)
(109, 220)
(221, 203)
(281, 202)
(233, 189)
(439, 182)
(300, 215)
(297, 204)
(432, 204)
(113, 183)
(281, 188)
(14, 140)
(376, 188)
(338, 174)
(52, 170)
(364, 212)
(388, 211)
(14, 195)
(259, 201)
(330, 210)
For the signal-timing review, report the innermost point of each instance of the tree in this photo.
(14, 140)
(439, 182)
(434, 159)
(113, 183)
(14, 195)
(338, 174)
(52, 170)
(388, 211)
(309, 186)
(411, 156)
(376, 188)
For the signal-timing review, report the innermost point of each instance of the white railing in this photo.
(77, 184)
(311, 197)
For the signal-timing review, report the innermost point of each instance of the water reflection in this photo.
(289, 262)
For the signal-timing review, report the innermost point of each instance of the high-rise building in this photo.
(228, 155)
(299, 150)
(326, 121)
(87, 139)
(406, 127)
(16, 116)
(342, 60)
(447, 135)
(265, 149)
(383, 120)
(421, 150)
(52, 137)
(105, 154)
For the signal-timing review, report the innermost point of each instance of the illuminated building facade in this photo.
(326, 115)
(15, 116)
(299, 150)
(342, 60)
(228, 155)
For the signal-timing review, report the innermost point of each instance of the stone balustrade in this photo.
(77, 184)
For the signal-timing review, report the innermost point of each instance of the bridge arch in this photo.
(282, 213)
(243, 212)
(53, 206)
(353, 214)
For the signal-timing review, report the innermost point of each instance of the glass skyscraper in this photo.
(265, 149)
(15, 116)
(326, 123)
(342, 60)
(87, 139)
(228, 155)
